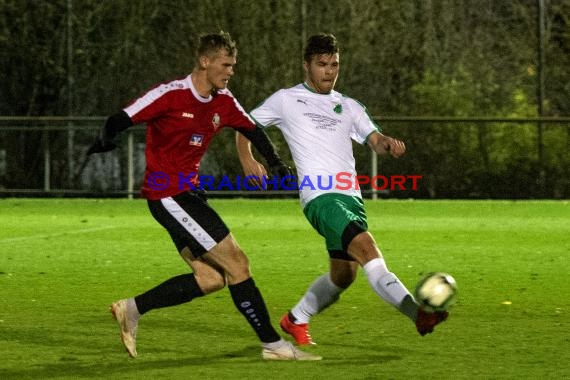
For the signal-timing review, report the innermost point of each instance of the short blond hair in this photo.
(213, 43)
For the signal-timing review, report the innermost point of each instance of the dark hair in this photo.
(212, 43)
(321, 43)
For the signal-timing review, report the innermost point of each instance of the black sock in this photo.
(291, 317)
(174, 291)
(249, 302)
(409, 307)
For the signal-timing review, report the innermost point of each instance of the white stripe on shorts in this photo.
(188, 223)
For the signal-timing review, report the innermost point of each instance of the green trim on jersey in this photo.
(368, 137)
(313, 91)
(378, 126)
(259, 125)
(330, 213)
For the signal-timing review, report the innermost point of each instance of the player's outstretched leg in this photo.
(425, 321)
(126, 314)
(390, 288)
(283, 350)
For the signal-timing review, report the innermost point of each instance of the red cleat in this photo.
(425, 322)
(300, 332)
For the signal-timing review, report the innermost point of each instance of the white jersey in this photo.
(319, 129)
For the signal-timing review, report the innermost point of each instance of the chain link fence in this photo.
(504, 158)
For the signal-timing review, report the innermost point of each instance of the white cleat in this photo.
(287, 351)
(128, 327)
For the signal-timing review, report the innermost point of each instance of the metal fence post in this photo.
(373, 172)
(47, 160)
(130, 165)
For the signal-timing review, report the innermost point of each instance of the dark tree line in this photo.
(456, 58)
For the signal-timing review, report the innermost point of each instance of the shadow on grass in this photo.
(144, 366)
(69, 366)
(362, 354)
(94, 362)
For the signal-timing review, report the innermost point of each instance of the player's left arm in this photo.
(265, 147)
(251, 167)
(269, 112)
(385, 145)
(370, 133)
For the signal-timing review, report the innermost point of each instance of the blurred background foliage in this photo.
(449, 58)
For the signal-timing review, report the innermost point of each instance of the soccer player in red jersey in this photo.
(182, 117)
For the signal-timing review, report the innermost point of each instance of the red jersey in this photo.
(180, 125)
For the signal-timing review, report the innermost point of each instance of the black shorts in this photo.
(190, 221)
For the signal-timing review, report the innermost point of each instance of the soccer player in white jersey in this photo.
(182, 117)
(319, 125)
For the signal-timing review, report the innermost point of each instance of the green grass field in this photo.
(62, 261)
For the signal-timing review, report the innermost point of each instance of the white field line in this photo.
(45, 236)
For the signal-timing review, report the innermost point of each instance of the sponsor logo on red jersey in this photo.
(196, 140)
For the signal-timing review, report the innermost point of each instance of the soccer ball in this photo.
(436, 292)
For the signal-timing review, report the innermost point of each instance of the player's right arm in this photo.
(149, 106)
(114, 125)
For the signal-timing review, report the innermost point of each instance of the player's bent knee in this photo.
(231, 259)
(345, 275)
(344, 280)
(210, 280)
(237, 267)
(363, 248)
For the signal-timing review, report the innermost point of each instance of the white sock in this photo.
(320, 295)
(385, 283)
(274, 345)
(132, 310)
